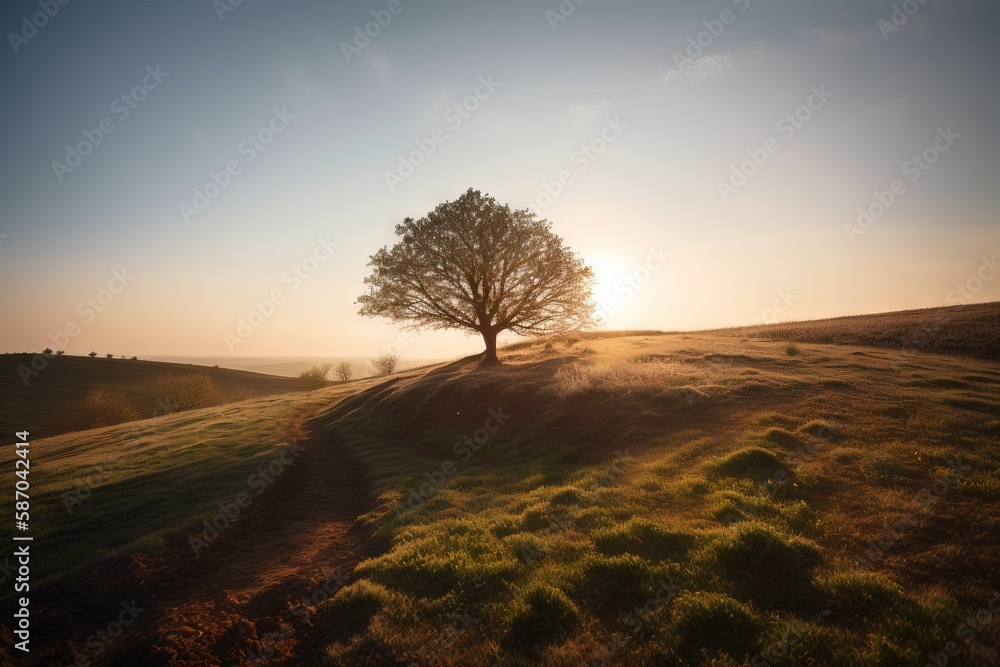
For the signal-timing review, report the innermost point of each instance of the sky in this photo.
(210, 178)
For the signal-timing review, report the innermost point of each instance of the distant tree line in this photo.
(316, 377)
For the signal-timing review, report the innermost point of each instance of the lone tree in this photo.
(385, 364)
(344, 371)
(476, 265)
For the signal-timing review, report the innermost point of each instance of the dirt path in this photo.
(247, 597)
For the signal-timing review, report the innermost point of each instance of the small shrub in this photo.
(315, 377)
(109, 355)
(47, 351)
(186, 391)
(135, 358)
(101, 407)
(60, 353)
(345, 372)
(546, 614)
(92, 355)
(384, 365)
(792, 350)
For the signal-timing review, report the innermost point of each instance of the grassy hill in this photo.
(39, 405)
(965, 330)
(625, 499)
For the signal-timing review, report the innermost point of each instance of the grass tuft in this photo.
(755, 463)
(757, 562)
(646, 539)
(545, 615)
(713, 621)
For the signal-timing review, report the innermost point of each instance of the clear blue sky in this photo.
(665, 138)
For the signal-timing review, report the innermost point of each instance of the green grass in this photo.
(613, 512)
(554, 548)
(112, 490)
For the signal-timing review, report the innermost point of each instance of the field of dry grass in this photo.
(964, 330)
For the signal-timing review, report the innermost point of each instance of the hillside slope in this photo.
(39, 405)
(627, 500)
(688, 498)
(972, 330)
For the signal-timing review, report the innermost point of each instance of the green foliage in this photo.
(477, 265)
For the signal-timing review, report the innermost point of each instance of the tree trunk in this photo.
(490, 355)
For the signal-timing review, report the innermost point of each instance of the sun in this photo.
(609, 273)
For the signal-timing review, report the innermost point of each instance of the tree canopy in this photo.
(477, 265)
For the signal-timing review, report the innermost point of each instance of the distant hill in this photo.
(292, 366)
(972, 330)
(40, 405)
